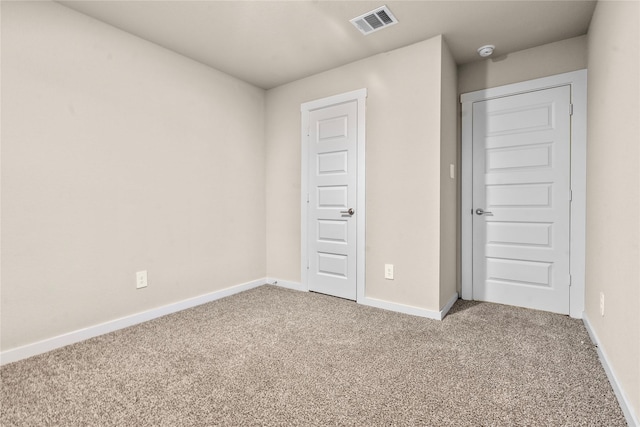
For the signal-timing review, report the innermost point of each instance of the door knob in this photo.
(350, 211)
(480, 211)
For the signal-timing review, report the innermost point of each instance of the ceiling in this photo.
(268, 43)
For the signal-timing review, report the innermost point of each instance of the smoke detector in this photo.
(486, 50)
(375, 20)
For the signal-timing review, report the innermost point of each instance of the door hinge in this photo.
(571, 109)
(570, 195)
(570, 280)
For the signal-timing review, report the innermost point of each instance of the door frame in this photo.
(359, 96)
(578, 147)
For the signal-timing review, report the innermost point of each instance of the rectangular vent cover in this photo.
(375, 20)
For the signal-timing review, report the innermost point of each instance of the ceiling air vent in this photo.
(375, 20)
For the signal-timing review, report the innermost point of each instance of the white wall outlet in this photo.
(388, 271)
(141, 279)
(601, 303)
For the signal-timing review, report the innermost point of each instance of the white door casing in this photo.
(506, 234)
(521, 167)
(332, 199)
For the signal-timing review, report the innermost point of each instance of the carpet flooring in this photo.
(272, 356)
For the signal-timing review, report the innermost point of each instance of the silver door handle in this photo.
(350, 211)
(480, 211)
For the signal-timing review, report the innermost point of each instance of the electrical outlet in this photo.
(141, 279)
(601, 303)
(388, 271)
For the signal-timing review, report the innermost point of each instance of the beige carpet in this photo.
(272, 356)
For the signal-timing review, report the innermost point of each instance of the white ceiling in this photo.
(268, 43)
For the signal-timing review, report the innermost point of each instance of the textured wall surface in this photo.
(402, 170)
(613, 190)
(119, 156)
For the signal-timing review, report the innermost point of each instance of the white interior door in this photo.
(521, 199)
(332, 195)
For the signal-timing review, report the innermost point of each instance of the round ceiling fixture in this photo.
(486, 50)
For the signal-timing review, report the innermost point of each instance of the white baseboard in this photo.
(448, 305)
(372, 302)
(632, 419)
(19, 353)
(287, 284)
(408, 309)
(33, 349)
